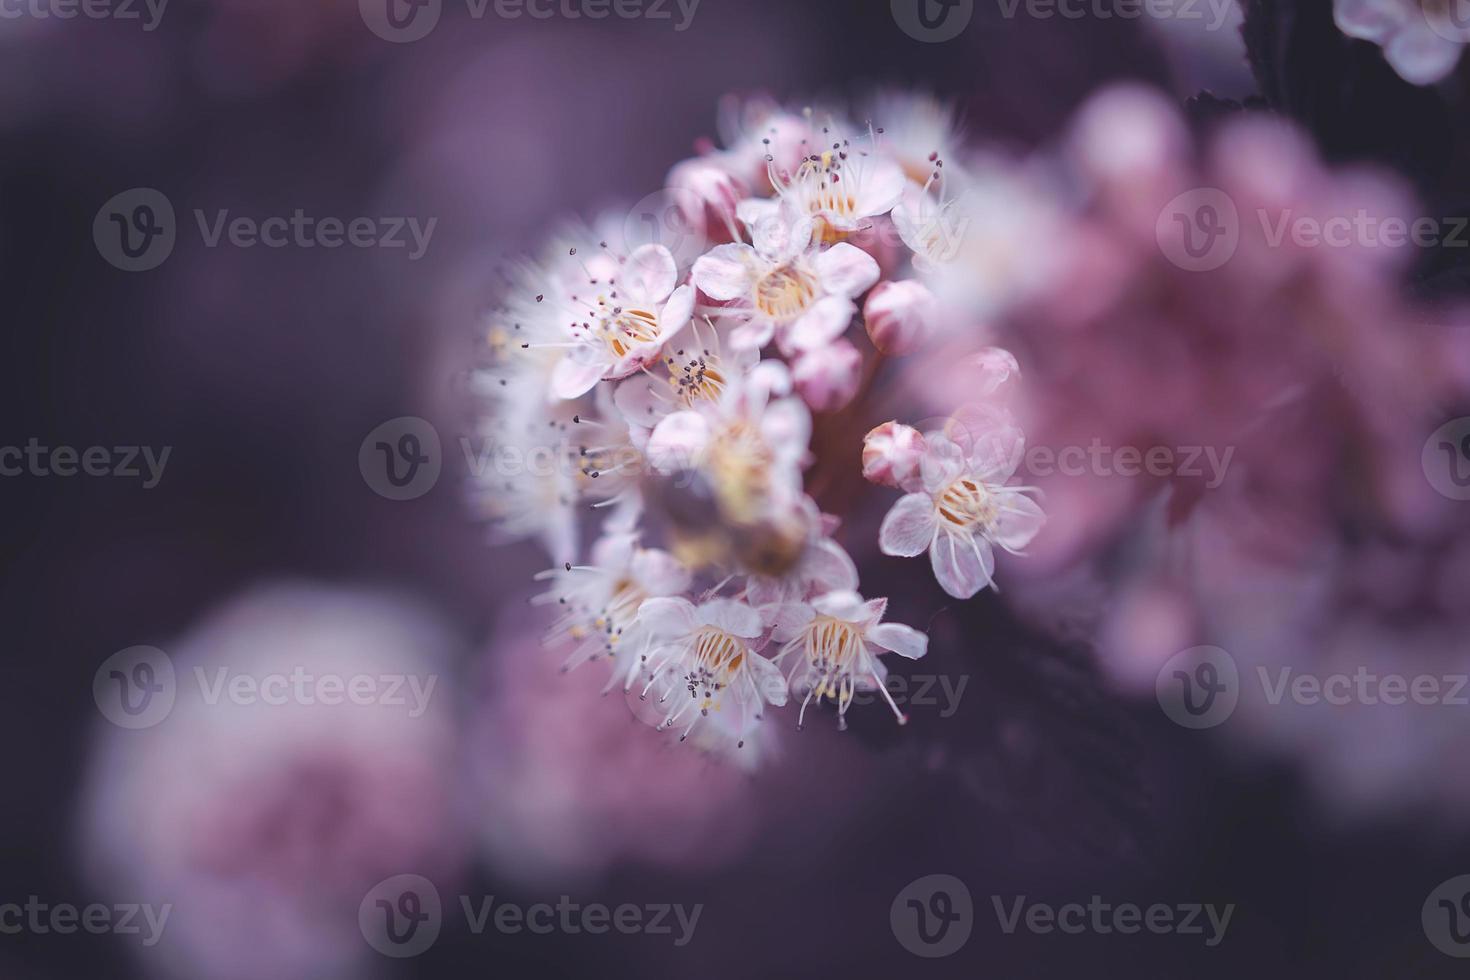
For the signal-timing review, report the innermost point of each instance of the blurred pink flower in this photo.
(265, 818)
(569, 784)
(1241, 317)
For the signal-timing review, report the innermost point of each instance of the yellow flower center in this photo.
(967, 504)
(784, 294)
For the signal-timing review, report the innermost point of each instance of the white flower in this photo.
(835, 652)
(537, 468)
(1421, 39)
(600, 601)
(839, 185)
(619, 323)
(700, 365)
(782, 283)
(918, 131)
(963, 511)
(750, 445)
(702, 666)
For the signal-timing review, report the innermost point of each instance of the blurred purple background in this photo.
(264, 369)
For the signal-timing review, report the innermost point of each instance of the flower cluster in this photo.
(671, 401)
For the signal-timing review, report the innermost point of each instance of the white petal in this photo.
(753, 210)
(782, 236)
(614, 552)
(667, 617)
(678, 442)
(637, 399)
(942, 462)
(753, 335)
(786, 427)
(909, 526)
(1019, 519)
(649, 274)
(828, 567)
(882, 186)
(573, 377)
(1420, 56)
(788, 619)
(963, 565)
(820, 325)
(903, 640)
(768, 680)
(873, 611)
(846, 270)
(676, 312)
(724, 272)
(1369, 20)
(659, 573)
(732, 617)
(845, 605)
(764, 591)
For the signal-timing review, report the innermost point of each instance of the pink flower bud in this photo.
(891, 454)
(828, 377)
(706, 194)
(900, 316)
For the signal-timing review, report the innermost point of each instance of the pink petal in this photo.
(909, 527)
(649, 274)
(903, 640)
(573, 377)
(846, 270)
(963, 565)
(724, 272)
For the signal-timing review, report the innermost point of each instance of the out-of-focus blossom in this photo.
(1421, 39)
(1250, 427)
(916, 130)
(567, 785)
(827, 377)
(265, 818)
(900, 316)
